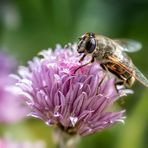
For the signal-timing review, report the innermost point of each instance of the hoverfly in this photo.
(111, 54)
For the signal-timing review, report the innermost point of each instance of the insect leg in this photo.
(120, 79)
(82, 58)
(91, 61)
(101, 83)
(130, 81)
(126, 79)
(104, 66)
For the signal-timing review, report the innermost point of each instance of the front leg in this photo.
(82, 58)
(91, 61)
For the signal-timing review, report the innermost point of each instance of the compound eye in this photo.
(90, 45)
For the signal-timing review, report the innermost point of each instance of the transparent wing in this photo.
(127, 64)
(129, 45)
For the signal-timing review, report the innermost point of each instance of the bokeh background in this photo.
(27, 26)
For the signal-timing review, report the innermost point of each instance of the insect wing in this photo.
(128, 45)
(130, 68)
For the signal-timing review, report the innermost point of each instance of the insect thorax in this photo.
(103, 50)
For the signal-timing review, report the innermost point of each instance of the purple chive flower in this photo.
(78, 103)
(11, 109)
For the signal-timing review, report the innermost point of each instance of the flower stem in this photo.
(63, 140)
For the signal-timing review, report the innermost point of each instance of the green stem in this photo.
(63, 140)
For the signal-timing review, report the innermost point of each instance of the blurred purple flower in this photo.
(7, 64)
(11, 109)
(5, 143)
(78, 103)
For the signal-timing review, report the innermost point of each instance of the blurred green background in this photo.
(27, 26)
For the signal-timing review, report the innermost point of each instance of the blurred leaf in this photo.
(133, 131)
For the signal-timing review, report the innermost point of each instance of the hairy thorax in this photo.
(104, 49)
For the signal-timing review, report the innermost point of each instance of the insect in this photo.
(111, 54)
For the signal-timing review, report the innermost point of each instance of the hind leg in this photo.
(129, 82)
